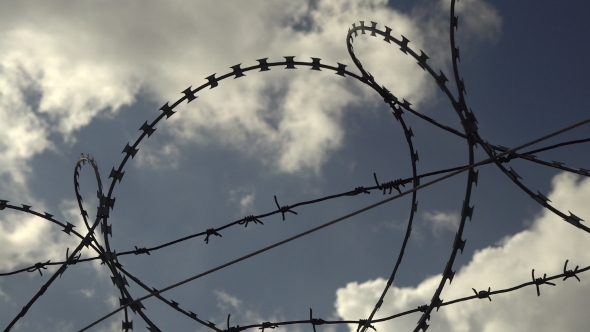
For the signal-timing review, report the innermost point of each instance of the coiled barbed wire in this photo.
(498, 155)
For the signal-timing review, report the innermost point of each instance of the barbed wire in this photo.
(497, 155)
(460, 244)
(483, 294)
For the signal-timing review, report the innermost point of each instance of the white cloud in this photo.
(87, 292)
(224, 300)
(4, 295)
(28, 239)
(114, 326)
(478, 17)
(244, 197)
(544, 247)
(86, 59)
(164, 157)
(112, 301)
(441, 221)
(247, 201)
(22, 133)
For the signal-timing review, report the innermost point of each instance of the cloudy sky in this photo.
(82, 77)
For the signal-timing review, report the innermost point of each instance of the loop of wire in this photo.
(120, 276)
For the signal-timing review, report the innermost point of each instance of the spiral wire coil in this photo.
(498, 155)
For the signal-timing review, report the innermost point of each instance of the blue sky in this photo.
(83, 78)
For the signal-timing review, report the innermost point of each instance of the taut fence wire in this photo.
(410, 185)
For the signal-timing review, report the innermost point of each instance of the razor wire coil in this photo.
(498, 155)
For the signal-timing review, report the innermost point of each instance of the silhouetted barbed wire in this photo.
(483, 294)
(457, 243)
(498, 155)
(395, 184)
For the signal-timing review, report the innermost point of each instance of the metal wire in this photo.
(497, 155)
(367, 208)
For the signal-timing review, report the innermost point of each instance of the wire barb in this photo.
(390, 185)
(315, 321)
(283, 209)
(249, 219)
(483, 294)
(540, 281)
(38, 267)
(109, 257)
(363, 324)
(358, 190)
(139, 251)
(570, 273)
(211, 231)
(268, 325)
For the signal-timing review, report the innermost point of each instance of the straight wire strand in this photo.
(42, 265)
(485, 161)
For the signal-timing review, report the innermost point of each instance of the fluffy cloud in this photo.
(84, 59)
(440, 221)
(544, 247)
(22, 133)
(477, 16)
(28, 239)
(63, 64)
(224, 300)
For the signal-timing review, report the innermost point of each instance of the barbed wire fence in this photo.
(498, 155)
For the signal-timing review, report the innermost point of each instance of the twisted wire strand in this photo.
(366, 189)
(469, 123)
(38, 266)
(468, 168)
(105, 255)
(497, 154)
(67, 228)
(271, 213)
(390, 99)
(478, 295)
